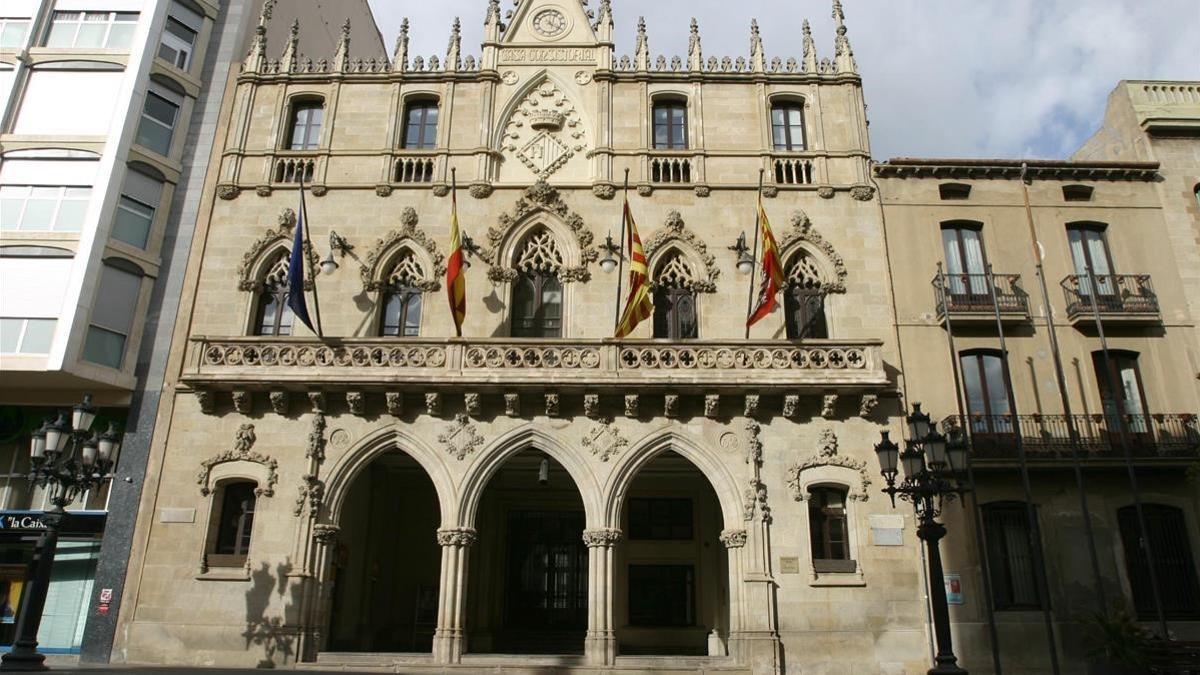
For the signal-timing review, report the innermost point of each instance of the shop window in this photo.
(1010, 559)
(420, 125)
(304, 126)
(235, 501)
(273, 316)
(1174, 565)
(671, 125)
(660, 519)
(828, 529)
(662, 596)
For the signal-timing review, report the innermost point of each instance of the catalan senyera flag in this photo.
(456, 279)
(638, 305)
(772, 271)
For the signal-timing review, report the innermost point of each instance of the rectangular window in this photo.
(12, 32)
(420, 126)
(670, 126)
(158, 124)
(177, 43)
(1089, 252)
(112, 317)
(43, 209)
(1009, 556)
(828, 530)
(662, 595)
(92, 30)
(135, 210)
(1174, 565)
(660, 519)
(26, 336)
(787, 127)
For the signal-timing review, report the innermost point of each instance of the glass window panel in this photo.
(91, 34)
(993, 373)
(10, 334)
(62, 31)
(174, 27)
(12, 201)
(120, 35)
(116, 300)
(39, 333)
(132, 222)
(973, 381)
(795, 117)
(778, 116)
(12, 35)
(780, 138)
(154, 136)
(71, 214)
(660, 136)
(160, 109)
(104, 347)
(412, 318)
(39, 210)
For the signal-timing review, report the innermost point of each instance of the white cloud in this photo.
(959, 78)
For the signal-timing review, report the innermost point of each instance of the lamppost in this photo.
(932, 475)
(67, 459)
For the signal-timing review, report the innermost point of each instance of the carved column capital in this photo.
(325, 535)
(462, 537)
(602, 537)
(733, 538)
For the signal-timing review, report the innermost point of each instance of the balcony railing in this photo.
(1114, 295)
(792, 170)
(414, 169)
(501, 363)
(970, 294)
(1048, 437)
(670, 169)
(293, 169)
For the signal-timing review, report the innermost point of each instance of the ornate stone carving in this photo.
(712, 406)
(702, 191)
(481, 190)
(325, 535)
(675, 232)
(552, 404)
(825, 192)
(319, 190)
(357, 402)
(311, 495)
(267, 241)
(512, 405)
(324, 356)
(316, 439)
(605, 440)
(754, 446)
(803, 235)
(733, 538)
(228, 192)
(671, 405)
(394, 401)
(530, 356)
(241, 452)
(317, 400)
(539, 198)
(645, 190)
(441, 190)
(460, 437)
(828, 406)
(433, 404)
(791, 405)
(207, 400)
(383, 190)
(604, 191)
(756, 498)
(472, 403)
(863, 193)
(243, 401)
(279, 402)
(770, 192)
(373, 276)
(631, 405)
(827, 455)
(263, 190)
(751, 409)
(603, 537)
(463, 537)
(591, 405)
(869, 402)
(545, 130)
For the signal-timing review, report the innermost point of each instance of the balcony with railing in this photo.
(792, 170)
(1166, 438)
(976, 298)
(671, 169)
(1118, 298)
(293, 168)
(414, 168)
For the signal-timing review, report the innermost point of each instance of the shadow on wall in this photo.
(265, 624)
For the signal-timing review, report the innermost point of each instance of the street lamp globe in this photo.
(83, 414)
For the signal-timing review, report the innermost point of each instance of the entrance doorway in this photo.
(530, 565)
(387, 563)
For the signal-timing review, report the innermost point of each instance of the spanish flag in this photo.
(456, 280)
(772, 271)
(638, 306)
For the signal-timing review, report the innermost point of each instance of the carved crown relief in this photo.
(541, 248)
(802, 267)
(676, 268)
(262, 253)
(393, 257)
(544, 130)
(827, 456)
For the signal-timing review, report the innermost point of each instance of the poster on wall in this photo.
(12, 582)
(954, 592)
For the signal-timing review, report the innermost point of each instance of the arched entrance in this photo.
(671, 575)
(386, 566)
(529, 568)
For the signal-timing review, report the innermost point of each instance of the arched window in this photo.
(1010, 560)
(670, 124)
(675, 299)
(538, 291)
(274, 317)
(402, 298)
(829, 529)
(1174, 567)
(804, 300)
(787, 126)
(304, 125)
(986, 382)
(234, 523)
(420, 125)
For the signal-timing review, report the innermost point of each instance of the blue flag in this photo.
(296, 272)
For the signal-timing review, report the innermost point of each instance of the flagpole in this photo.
(754, 251)
(621, 253)
(454, 215)
(304, 258)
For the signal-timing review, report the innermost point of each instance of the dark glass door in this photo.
(991, 421)
(1127, 404)
(966, 269)
(547, 571)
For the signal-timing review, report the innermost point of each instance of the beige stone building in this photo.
(536, 493)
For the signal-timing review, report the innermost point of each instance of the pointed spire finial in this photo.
(264, 16)
(455, 46)
(695, 58)
(810, 50)
(843, 55)
(839, 16)
(341, 59)
(758, 60)
(642, 53)
(287, 63)
(400, 55)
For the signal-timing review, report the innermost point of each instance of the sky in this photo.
(942, 78)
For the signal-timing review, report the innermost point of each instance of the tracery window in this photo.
(675, 299)
(538, 290)
(273, 316)
(402, 298)
(804, 300)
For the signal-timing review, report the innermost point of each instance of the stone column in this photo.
(317, 594)
(448, 639)
(600, 646)
(735, 543)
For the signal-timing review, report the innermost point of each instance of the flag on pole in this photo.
(456, 280)
(296, 300)
(638, 306)
(772, 271)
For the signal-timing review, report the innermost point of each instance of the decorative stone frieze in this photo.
(383, 252)
(754, 446)
(460, 437)
(645, 190)
(481, 190)
(829, 406)
(383, 190)
(791, 406)
(552, 404)
(441, 190)
(742, 358)
(604, 191)
(268, 241)
(825, 192)
(325, 535)
(827, 455)
(770, 191)
(228, 192)
(311, 496)
(545, 129)
(356, 401)
(602, 537)
(241, 452)
(863, 193)
(279, 402)
(604, 440)
(803, 235)
(676, 233)
(532, 356)
(702, 191)
(733, 538)
(462, 537)
(243, 401)
(751, 406)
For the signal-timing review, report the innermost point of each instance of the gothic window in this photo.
(304, 124)
(1006, 527)
(671, 125)
(804, 300)
(273, 316)
(234, 523)
(538, 290)
(420, 125)
(787, 126)
(675, 300)
(1174, 566)
(402, 298)
(828, 529)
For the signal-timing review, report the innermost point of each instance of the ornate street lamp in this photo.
(933, 466)
(612, 254)
(67, 459)
(745, 260)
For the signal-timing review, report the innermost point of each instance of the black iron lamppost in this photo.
(932, 475)
(67, 459)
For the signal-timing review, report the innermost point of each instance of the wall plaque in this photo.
(789, 566)
(548, 55)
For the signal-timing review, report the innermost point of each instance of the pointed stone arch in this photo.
(676, 236)
(258, 260)
(540, 206)
(390, 249)
(802, 245)
(542, 125)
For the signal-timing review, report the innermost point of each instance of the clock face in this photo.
(550, 23)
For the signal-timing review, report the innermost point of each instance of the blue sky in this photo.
(943, 78)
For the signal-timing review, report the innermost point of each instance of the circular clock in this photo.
(550, 23)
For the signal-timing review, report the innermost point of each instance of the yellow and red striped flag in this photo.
(638, 305)
(772, 271)
(456, 279)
